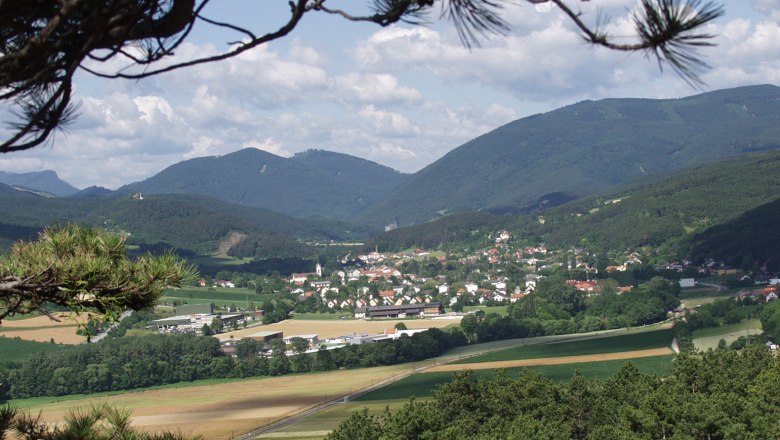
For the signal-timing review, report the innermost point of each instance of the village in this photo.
(437, 285)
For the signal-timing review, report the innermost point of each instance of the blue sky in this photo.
(402, 96)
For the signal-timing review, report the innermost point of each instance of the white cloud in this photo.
(768, 7)
(388, 123)
(373, 88)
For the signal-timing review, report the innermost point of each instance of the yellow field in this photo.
(44, 329)
(337, 327)
(561, 360)
(226, 410)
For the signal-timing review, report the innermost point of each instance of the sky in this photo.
(402, 96)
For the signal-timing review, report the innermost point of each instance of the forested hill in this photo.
(752, 240)
(585, 149)
(668, 208)
(41, 181)
(313, 183)
(672, 206)
(187, 222)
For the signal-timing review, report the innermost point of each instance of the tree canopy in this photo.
(84, 270)
(44, 43)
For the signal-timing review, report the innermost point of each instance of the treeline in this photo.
(145, 361)
(557, 308)
(714, 395)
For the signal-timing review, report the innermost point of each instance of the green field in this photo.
(499, 310)
(15, 350)
(422, 384)
(609, 344)
(218, 296)
(710, 337)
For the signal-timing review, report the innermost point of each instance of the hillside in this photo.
(313, 183)
(749, 241)
(41, 181)
(671, 206)
(187, 222)
(584, 149)
(665, 209)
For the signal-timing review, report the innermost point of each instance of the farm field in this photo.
(221, 410)
(707, 338)
(224, 410)
(421, 385)
(331, 328)
(607, 344)
(220, 296)
(44, 329)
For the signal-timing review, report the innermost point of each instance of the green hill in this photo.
(585, 149)
(313, 183)
(187, 222)
(672, 206)
(719, 209)
(749, 241)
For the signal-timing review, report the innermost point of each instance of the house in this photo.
(687, 282)
(402, 311)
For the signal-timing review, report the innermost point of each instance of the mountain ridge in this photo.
(585, 148)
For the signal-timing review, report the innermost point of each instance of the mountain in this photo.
(584, 149)
(313, 183)
(706, 211)
(40, 181)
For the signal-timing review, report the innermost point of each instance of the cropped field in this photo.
(332, 328)
(44, 329)
(606, 344)
(223, 410)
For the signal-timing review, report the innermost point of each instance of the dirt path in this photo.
(553, 360)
